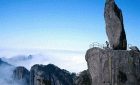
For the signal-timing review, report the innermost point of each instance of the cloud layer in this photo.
(73, 61)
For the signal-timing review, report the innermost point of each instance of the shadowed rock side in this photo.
(114, 26)
(50, 75)
(83, 78)
(113, 67)
(21, 75)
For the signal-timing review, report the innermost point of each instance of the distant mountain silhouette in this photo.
(4, 63)
(18, 58)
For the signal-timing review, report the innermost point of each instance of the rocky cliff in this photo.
(38, 75)
(50, 75)
(113, 67)
(21, 75)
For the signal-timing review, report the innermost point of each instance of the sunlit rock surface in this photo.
(114, 26)
(113, 67)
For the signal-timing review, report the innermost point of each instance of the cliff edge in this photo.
(113, 67)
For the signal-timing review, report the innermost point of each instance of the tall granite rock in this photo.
(113, 67)
(114, 26)
(50, 75)
(21, 76)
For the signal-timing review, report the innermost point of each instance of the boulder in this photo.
(114, 26)
(113, 67)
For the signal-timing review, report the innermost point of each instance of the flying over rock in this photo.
(114, 26)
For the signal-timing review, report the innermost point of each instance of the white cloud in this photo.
(73, 61)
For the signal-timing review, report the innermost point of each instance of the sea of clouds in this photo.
(73, 61)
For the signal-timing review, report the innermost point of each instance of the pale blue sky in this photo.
(61, 24)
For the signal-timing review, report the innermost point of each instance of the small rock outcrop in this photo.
(113, 67)
(83, 78)
(21, 75)
(50, 75)
(114, 26)
(134, 48)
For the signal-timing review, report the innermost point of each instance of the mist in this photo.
(6, 75)
(73, 61)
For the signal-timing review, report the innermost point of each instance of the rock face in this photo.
(83, 78)
(114, 26)
(50, 75)
(21, 75)
(113, 67)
